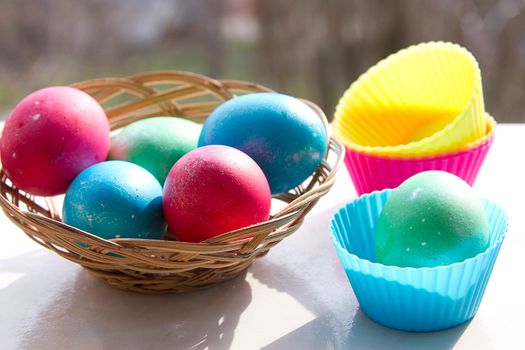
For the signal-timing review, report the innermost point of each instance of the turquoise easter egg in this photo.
(433, 218)
(284, 136)
(115, 199)
(155, 143)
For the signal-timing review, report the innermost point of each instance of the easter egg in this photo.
(432, 219)
(155, 143)
(50, 137)
(281, 133)
(115, 199)
(213, 190)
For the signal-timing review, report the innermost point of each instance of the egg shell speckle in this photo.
(281, 133)
(214, 190)
(115, 199)
(431, 219)
(155, 143)
(50, 137)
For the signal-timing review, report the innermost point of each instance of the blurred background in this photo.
(307, 48)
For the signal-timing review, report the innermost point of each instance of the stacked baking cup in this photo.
(419, 109)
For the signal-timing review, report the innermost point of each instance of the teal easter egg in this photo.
(155, 143)
(284, 136)
(115, 199)
(432, 219)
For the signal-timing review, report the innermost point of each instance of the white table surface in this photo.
(296, 297)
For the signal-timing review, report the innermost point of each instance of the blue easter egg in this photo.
(282, 134)
(115, 199)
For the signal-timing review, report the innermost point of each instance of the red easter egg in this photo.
(212, 190)
(50, 137)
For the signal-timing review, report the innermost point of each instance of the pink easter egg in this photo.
(50, 137)
(213, 190)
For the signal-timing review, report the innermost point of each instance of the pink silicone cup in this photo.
(374, 173)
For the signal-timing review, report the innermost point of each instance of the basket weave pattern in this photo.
(160, 266)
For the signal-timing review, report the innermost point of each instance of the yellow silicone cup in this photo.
(421, 101)
(490, 129)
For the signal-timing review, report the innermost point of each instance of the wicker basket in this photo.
(153, 266)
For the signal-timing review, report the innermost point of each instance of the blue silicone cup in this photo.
(411, 299)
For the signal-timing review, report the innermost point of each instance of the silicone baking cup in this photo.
(411, 299)
(423, 100)
(371, 172)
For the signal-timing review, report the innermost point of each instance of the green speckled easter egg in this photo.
(155, 143)
(432, 219)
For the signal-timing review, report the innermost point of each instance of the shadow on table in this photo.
(317, 280)
(363, 333)
(84, 313)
